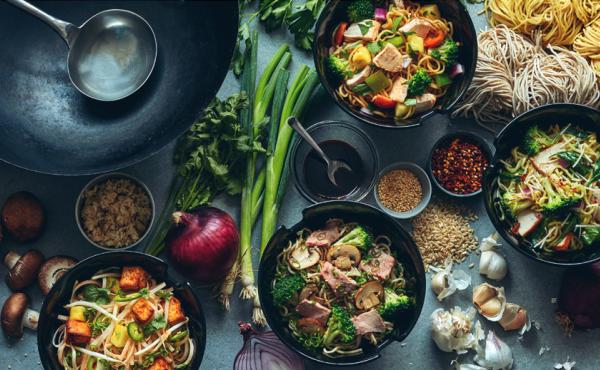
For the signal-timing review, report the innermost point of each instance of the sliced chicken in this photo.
(358, 78)
(425, 102)
(313, 310)
(368, 322)
(326, 236)
(337, 280)
(390, 59)
(355, 31)
(380, 267)
(527, 222)
(545, 162)
(399, 90)
(419, 26)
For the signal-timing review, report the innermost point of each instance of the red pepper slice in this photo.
(564, 244)
(383, 102)
(338, 35)
(434, 39)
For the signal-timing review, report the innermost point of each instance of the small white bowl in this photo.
(99, 179)
(425, 188)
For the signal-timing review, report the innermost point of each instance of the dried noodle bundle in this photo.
(587, 10)
(587, 43)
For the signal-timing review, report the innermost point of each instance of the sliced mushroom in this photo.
(490, 301)
(23, 217)
(302, 257)
(369, 296)
(22, 269)
(308, 291)
(52, 270)
(15, 315)
(344, 256)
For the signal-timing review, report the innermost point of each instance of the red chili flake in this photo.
(459, 166)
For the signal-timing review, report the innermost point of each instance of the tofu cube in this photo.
(160, 364)
(176, 314)
(78, 333)
(142, 311)
(133, 278)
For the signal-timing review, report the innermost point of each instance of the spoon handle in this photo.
(293, 121)
(65, 29)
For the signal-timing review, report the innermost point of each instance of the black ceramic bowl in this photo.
(464, 32)
(314, 217)
(578, 115)
(60, 294)
(445, 140)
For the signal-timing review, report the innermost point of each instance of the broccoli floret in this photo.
(286, 287)
(359, 10)
(448, 52)
(514, 203)
(338, 67)
(557, 202)
(394, 303)
(339, 327)
(312, 341)
(418, 83)
(535, 140)
(358, 237)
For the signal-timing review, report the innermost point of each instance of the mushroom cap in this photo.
(52, 270)
(24, 272)
(302, 257)
(23, 217)
(369, 295)
(11, 318)
(345, 250)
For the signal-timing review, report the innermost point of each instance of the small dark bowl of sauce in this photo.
(343, 142)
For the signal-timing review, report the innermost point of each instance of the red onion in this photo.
(380, 14)
(580, 295)
(456, 70)
(203, 245)
(563, 163)
(264, 351)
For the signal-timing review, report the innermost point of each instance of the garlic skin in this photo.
(444, 281)
(491, 263)
(515, 318)
(496, 355)
(490, 301)
(454, 330)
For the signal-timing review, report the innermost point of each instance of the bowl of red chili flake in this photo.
(457, 163)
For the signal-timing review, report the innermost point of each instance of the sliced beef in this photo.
(326, 236)
(313, 310)
(368, 322)
(337, 280)
(380, 267)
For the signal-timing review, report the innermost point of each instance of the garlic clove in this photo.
(497, 355)
(444, 281)
(439, 282)
(514, 317)
(493, 265)
(490, 301)
(453, 330)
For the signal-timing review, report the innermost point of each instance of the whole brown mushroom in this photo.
(52, 270)
(15, 315)
(23, 270)
(23, 217)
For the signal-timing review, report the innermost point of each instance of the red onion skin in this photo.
(580, 296)
(380, 14)
(204, 244)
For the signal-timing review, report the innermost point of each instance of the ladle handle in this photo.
(66, 30)
(293, 121)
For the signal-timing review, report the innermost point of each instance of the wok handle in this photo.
(64, 29)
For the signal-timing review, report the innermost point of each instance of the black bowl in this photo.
(578, 115)
(469, 136)
(334, 12)
(314, 217)
(60, 294)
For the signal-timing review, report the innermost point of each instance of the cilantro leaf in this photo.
(273, 12)
(157, 323)
(92, 293)
(302, 21)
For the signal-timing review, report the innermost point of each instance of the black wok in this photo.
(46, 125)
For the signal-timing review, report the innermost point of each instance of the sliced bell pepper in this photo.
(383, 102)
(564, 243)
(434, 39)
(396, 41)
(338, 35)
(378, 81)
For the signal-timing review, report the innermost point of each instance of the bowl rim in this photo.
(421, 175)
(412, 122)
(345, 125)
(201, 337)
(421, 285)
(478, 139)
(491, 213)
(103, 177)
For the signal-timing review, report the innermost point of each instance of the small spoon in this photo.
(332, 165)
(111, 55)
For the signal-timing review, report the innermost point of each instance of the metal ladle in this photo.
(332, 165)
(111, 55)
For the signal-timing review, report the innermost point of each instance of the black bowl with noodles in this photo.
(334, 12)
(60, 295)
(315, 217)
(586, 118)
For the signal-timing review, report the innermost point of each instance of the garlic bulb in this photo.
(491, 263)
(515, 318)
(489, 301)
(444, 281)
(496, 355)
(454, 330)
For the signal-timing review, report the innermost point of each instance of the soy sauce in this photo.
(315, 170)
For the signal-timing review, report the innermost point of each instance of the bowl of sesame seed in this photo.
(403, 190)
